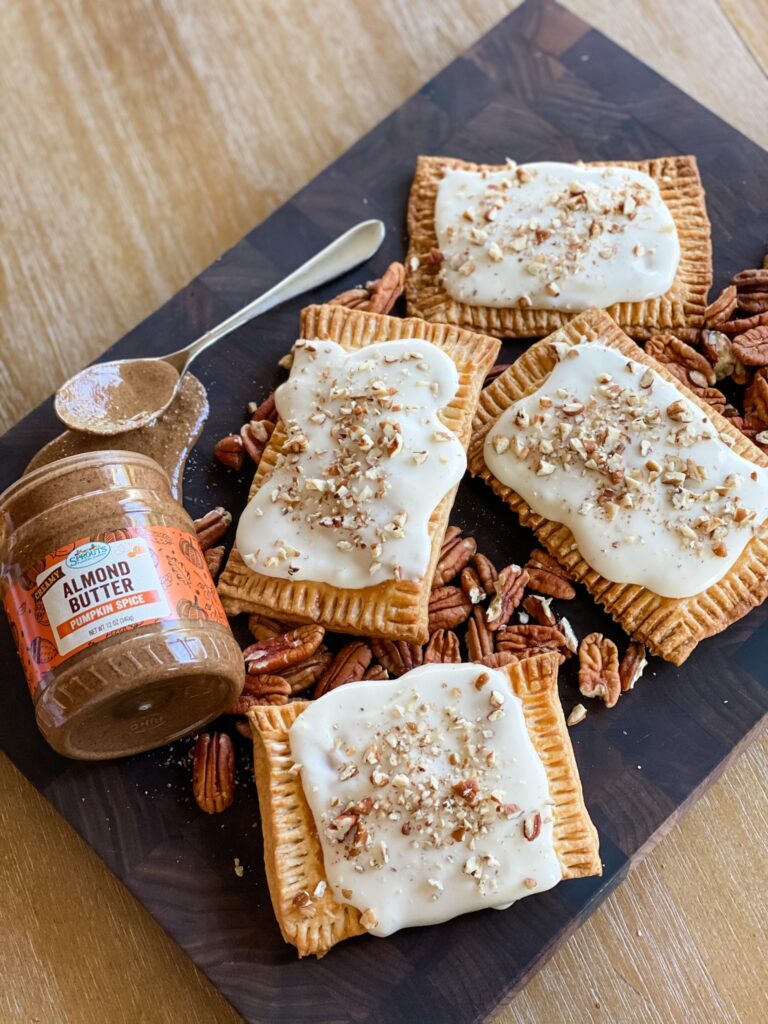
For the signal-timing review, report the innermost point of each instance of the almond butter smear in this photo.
(110, 398)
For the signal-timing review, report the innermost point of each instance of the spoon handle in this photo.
(353, 247)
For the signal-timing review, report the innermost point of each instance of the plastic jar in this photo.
(116, 619)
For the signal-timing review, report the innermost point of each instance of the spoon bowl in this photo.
(125, 394)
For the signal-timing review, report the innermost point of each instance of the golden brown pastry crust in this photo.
(669, 627)
(396, 609)
(682, 307)
(292, 852)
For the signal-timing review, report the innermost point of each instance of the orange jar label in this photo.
(98, 586)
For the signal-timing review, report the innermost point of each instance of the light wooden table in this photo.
(140, 140)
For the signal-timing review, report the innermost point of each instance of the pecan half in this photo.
(734, 327)
(526, 640)
(487, 572)
(266, 688)
(306, 673)
(498, 659)
(230, 451)
(508, 590)
(397, 656)
(471, 585)
(443, 647)
(256, 435)
(547, 576)
(378, 296)
(454, 555)
(718, 348)
(448, 607)
(265, 410)
(599, 669)
(262, 627)
(539, 610)
(674, 353)
(278, 652)
(712, 396)
(756, 396)
(479, 637)
(214, 559)
(722, 307)
(213, 772)
(348, 666)
(376, 672)
(752, 288)
(211, 527)
(632, 665)
(751, 347)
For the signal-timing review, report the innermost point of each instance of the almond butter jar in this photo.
(116, 619)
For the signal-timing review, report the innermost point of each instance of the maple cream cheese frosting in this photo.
(554, 236)
(366, 461)
(652, 494)
(428, 796)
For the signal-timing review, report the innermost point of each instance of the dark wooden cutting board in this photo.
(541, 85)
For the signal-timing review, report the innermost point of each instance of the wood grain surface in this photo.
(143, 139)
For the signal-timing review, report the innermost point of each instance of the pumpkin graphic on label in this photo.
(187, 609)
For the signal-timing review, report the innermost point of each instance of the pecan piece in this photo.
(508, 589)
(479, 637)
(279, 652)
(722, 307)
(397, 656)
(454, 555)
(539, 610)
(718, 348)
(471, 585)
(677, 356)
(376, 672)
(213, 772)
(751, 347)
(256, 435)
(378, 296)
(712, 396)
(265, 410)
(266, 688)
(229, 451)
(306, 673)
(261, 627)
(448, 607)
(443, 647)
(527, 640)
(632, 665)
(498, 659)
(214, 559)
(211, 527)
(547, 576)
(578, 714)
(599, 669)
(348, 666)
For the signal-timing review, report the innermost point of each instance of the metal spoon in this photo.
(110, 398)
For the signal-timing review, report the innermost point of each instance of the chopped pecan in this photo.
(487, 572)
(527, 640)
(734, 327)
(675, 353)
(256, 435)
(378, 296)
(261, 627)
(266, 688)
(306, 673)
(632, 665)
(448, 607)
(718, 348)
(578, 714)
(547, 576)
(756, 396)
(279, 652)
(539, 610)
(508, 590)
(348, 665)
(211, 527)
(454, 555)
(599, 669)
(214, 559)
(479, 636)
(376, 672)
(532, 826)
(265, 410)
(751, 347)
(397, 656)
(722, 307)
(230, 451)
(471, 585)
(213, 772)
(443, 647)
(435, 256)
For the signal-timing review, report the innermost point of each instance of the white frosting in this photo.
(554, 236)
(366, 462)
(636, 471)
(444, 778)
